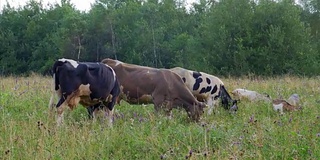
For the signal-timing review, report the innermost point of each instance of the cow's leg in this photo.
(281, 110)
(109, 113)
(168, 105)
(92, 110)
(51, 102)
(115, 92)
(62, 104)
(211, 105)
(51, 106)
(110, 102)
(52, 93)
(158, 102)
(161, 104)
(109, 109)
(96, 108)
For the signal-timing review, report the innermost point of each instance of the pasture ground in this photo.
(28, 131)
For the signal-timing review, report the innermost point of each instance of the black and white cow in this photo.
(90, 84)
(206, 88)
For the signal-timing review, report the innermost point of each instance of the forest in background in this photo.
(221, 37)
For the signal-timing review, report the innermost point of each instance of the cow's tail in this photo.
(115, 92)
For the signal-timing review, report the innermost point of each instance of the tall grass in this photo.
(28, 131)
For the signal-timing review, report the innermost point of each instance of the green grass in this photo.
(28, 131)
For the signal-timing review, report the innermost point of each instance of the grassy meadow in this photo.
(28, 130)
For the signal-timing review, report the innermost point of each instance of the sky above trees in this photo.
(80, 4)
(83, 5)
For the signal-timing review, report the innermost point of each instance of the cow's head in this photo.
(66, 63)
(226, 100)
(66, 69)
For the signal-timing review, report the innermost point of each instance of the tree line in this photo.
(225, 37)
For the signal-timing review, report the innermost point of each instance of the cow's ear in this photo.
(81, 69)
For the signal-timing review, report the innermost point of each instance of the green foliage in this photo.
(226, 37)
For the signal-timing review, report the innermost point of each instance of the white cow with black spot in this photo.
(252, 96)
(206, 88)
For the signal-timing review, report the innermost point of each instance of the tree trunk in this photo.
(97, 53)
(154, 47)
(113, 42)
(79, 47)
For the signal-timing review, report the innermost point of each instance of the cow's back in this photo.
(177, 88)
(101, 78)
(200, 84)
(136, 80)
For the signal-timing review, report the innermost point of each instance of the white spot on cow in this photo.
(278, 107)
(72, 62)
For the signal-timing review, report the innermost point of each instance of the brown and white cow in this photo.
(165, 87)
(90, 84)
(206, 88)
(282, 105)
